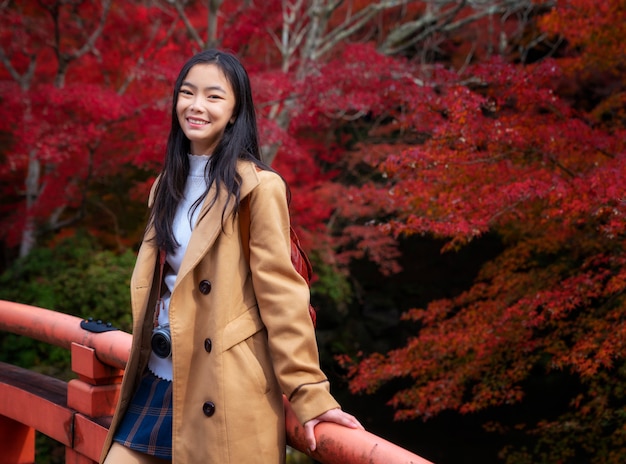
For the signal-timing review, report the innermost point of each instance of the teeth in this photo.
(197, 121)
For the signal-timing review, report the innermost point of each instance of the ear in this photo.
(232, 120)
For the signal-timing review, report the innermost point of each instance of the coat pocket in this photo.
(247, 358)
(246, 351)
(241, 328)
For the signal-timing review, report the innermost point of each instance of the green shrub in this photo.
(74, 277)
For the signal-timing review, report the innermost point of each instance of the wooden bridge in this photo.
(77, 413)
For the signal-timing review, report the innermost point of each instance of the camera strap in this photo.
(159, 302)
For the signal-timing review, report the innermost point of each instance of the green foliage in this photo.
(330, 285)
(35, 355)
(73, 277)
(296, 457)
(48, 450)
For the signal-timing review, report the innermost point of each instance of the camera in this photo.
(162, 341)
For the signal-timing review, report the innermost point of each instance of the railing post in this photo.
(17, 442)
(93, 395)
(97, 388)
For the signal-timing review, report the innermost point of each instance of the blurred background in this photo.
(457, 175)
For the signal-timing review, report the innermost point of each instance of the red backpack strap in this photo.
(244, 226)
(299, 259)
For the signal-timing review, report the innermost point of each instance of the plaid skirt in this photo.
(147, 425)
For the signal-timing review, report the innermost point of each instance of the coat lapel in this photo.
(143, 274)
(209, 224)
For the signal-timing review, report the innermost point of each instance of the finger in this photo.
(309, 435)
(355, 422)
(348, 420)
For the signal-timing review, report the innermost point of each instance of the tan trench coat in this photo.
(241, 335)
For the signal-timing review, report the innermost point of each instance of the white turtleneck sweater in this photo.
(182, 227)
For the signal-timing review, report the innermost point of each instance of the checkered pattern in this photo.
(147, 424)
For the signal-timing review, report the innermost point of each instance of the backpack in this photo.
(299, 259)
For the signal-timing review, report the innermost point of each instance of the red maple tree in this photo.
(74, 98)
(504, 152)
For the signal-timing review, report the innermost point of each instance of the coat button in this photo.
(205, 287)
(208, 408)
(208, 345)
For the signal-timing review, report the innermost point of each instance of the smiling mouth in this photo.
(196, 122)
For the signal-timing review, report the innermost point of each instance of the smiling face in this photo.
(205, 107)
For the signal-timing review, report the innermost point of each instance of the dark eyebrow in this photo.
(209, 88)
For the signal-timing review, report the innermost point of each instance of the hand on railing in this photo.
(336, 416)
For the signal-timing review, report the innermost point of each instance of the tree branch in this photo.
(352, 24)
(24, 79)
(190, 29)
(95, 35)
(438, 21)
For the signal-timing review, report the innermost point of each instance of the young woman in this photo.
(218, 336)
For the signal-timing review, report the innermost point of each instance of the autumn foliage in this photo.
(450, 122)
(507, 153)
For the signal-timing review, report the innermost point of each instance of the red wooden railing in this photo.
(77, 413)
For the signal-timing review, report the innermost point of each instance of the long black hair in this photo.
(239, 141)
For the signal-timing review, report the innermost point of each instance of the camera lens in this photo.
(162, 342)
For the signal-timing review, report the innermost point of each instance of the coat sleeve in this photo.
(283, 299)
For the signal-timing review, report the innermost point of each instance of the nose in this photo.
(195, 105)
